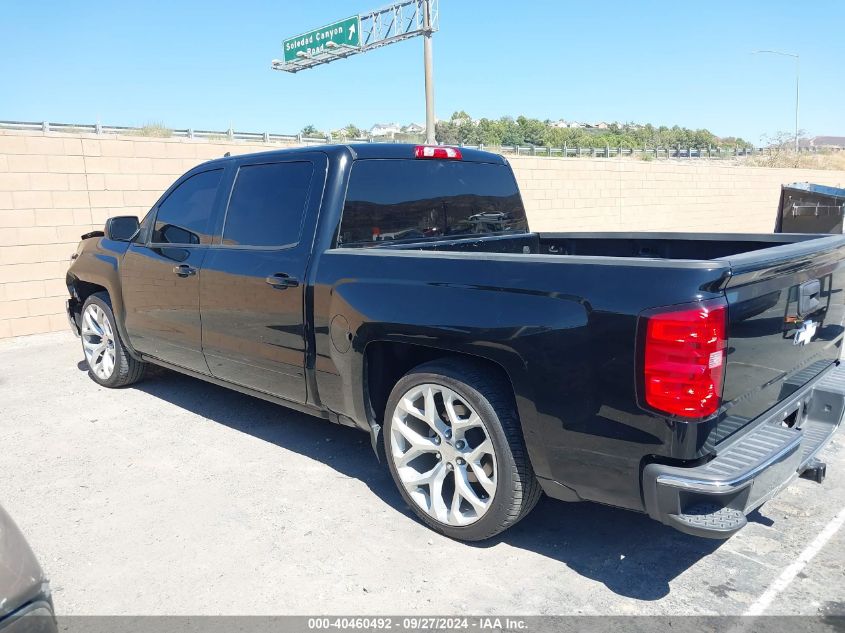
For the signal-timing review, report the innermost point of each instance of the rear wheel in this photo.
(108, 362)
(455, 449)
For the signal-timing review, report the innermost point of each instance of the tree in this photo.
(509, 130)
(447, 132)
(461, 117)
(531, 130)
(489, 132)
(311, 131)
(353, 131)
(462, 129)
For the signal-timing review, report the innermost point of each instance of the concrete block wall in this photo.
(631, 195)
(55, 186)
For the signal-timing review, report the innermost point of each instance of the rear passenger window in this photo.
(185, 215)
(268, 204)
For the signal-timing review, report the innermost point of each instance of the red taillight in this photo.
(684, 359)
(431, 151)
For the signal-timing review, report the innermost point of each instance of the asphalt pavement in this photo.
(176, 496)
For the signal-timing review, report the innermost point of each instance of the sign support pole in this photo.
(429, 75)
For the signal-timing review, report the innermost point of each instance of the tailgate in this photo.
(786, 306)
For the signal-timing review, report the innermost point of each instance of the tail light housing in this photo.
(437, 151)
(683, 353)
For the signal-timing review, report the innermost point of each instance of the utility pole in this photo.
(429, 75)
(797, 95)
(797, 59)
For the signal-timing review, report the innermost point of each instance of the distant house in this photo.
(826, 142)
(563, 123)
(385, 129)
(413, 128)
(601, 125)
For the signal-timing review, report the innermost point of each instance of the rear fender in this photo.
(479, 321)
(507, 359)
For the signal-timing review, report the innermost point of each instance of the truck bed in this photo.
(691, 246)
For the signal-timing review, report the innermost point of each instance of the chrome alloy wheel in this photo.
(443, 454)
(98, 341)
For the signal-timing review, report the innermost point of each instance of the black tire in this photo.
(127, 370)
(491, 395)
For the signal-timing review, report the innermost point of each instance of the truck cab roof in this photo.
(363, 151)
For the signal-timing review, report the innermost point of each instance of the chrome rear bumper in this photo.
(712, 500)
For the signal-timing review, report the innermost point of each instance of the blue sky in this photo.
(205, 64)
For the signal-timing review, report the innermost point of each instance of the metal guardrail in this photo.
(607, 151)
(152, 131)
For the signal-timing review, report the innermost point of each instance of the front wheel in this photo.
(455, 449)
(109, 364)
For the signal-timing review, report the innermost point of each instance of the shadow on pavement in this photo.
(629, 553)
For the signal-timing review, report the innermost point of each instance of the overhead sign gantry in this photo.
(361, 33)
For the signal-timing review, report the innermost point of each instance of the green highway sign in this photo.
(343, 33)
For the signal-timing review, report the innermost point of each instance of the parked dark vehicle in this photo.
(809, 208)
(26, 605)
(398, 290)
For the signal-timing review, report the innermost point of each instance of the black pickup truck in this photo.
(398, 289)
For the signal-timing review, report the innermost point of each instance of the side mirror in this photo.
(122, 227)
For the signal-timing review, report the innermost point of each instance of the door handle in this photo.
(280, 281)
(183, 270)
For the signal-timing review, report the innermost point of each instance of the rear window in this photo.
(413, 200)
